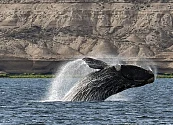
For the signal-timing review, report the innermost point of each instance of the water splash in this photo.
(118, 97)
(69, 74)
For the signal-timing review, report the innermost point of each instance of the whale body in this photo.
(107, 81)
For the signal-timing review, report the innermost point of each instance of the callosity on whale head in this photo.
(109, 80)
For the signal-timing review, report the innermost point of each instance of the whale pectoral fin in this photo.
(94, 63)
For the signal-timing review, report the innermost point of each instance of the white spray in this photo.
(66, 78)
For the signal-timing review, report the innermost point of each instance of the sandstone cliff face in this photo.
(68, 30)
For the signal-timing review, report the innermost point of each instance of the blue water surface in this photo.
(21, 103)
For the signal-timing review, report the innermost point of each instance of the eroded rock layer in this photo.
(57, 30)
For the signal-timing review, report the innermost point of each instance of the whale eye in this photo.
(118, 67)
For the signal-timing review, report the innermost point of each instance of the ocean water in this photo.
(22, 103)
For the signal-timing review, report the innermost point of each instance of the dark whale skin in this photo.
(99, 85)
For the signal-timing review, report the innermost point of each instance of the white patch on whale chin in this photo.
(118, 67)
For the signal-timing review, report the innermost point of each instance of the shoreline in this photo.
(53, 75)
(27, 76)
(165, 76)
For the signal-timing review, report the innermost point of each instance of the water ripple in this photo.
(148, 105)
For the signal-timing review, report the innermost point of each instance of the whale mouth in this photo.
(151, 80)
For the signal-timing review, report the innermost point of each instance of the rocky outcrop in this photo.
(53, 30)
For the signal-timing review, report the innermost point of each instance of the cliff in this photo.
(57, 30)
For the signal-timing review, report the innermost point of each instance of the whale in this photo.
(107, 80)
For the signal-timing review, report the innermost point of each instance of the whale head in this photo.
(139, 75)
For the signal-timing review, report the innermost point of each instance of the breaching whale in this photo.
(108, 80)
